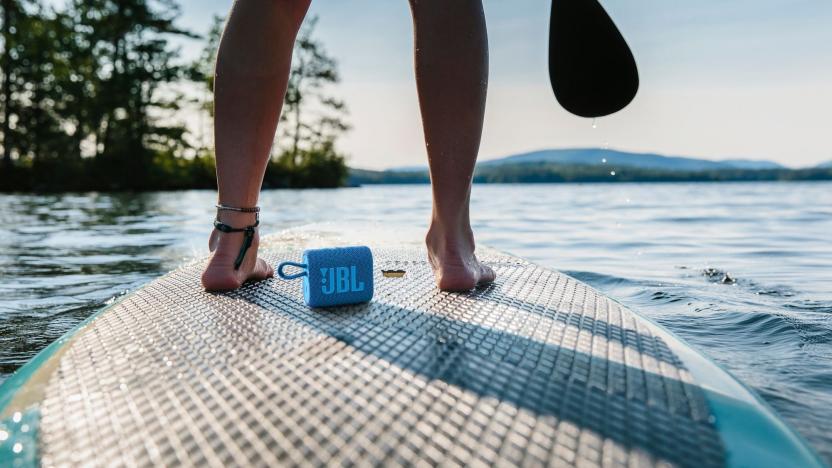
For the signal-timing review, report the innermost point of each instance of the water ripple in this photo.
(741, 271)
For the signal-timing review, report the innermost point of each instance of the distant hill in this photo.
(599, 165)
(753, 164)
(592, 156)
(824, 165)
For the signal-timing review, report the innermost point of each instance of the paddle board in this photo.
(534, 369)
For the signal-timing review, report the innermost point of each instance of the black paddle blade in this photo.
(592, 69)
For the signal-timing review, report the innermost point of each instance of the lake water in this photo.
(662, 249)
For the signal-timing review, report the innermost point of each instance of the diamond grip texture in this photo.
(536, 369)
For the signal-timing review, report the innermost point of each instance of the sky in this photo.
(719, 80)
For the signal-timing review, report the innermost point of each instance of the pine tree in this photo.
(9, 8)
(311, 119)
(128, 41)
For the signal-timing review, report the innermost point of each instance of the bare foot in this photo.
(220, 274)
(451, 253)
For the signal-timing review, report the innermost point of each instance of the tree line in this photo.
(548, 173)
(94, 95)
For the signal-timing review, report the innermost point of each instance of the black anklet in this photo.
(248, 231)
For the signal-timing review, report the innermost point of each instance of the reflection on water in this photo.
(742, 271)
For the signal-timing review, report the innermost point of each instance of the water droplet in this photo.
(3, 435)
(594, 124)
(604, 160)
(612, 172)
(24, 428)
(628, 200)
(16, 417)
(17, 448)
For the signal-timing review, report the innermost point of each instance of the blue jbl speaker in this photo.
(334, 276)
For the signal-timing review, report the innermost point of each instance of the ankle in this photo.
(450, 222)
(220, 240)
(237, 219)
(232, 240)
(454, 239)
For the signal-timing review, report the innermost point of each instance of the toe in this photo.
(455, 279)
(262, 270)
(487, 274)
